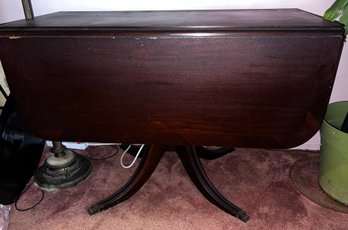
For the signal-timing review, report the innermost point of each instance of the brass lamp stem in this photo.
(28, 10)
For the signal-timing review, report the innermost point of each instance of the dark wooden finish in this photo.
(252, 78)
(195, 170)
(147, 165)
(182, 77)
(187, 20)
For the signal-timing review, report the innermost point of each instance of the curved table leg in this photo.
(147, 165)
(194, 169)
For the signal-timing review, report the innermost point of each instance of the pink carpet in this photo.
(256, 180)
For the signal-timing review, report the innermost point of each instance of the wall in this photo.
(12, 10)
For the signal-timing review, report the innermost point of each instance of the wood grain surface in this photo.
(229, 87)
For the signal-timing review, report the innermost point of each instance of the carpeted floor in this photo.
(256, 180)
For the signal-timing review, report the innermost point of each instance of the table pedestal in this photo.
(193, 167)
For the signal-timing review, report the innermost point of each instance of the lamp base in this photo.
(51, 177)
